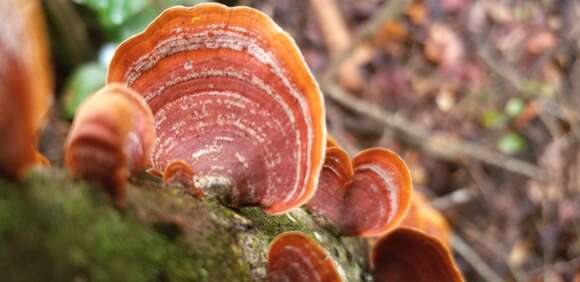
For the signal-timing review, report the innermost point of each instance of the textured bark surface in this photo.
(53, 228)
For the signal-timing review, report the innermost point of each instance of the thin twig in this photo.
(560, 266)
(478, 264)
(457, 197)
(437, 144)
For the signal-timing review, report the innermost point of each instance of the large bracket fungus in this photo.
(25, 84)
(295, 257)
(111, 138)
(233, 98)
(407, 254)
(367, 196)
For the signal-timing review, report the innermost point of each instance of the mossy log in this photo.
(54, 228)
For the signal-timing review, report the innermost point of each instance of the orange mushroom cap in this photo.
(427, 219)
(25, 84)
(407, 254)
(233, 98)
(111, 138)
(295, 257)
(180, 172)
(331, 141)
(367, 197)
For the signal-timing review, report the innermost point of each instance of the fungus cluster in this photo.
(367, 196)
(220, 100)
(23, 105)
(403, 255)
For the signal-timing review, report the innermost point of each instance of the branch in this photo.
(437, 144)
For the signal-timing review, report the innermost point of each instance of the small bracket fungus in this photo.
(111, 138)
(407, 254)
(25, 84)
(427, 219)
(179, 172)
(232, 98)
(366, 197)
(295, 257)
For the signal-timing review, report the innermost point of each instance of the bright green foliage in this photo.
(85, 80)
(123, 18)
(511, 143)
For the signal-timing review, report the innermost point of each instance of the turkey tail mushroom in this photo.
(233, 98)
(407, 254)
(25, 84)
(111, 138)
(295, 257)
(366, 197)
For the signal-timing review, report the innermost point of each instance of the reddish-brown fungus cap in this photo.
(25, 84)
(366, 198)
(178, 171)
(295, 257)
(233, 97)
(111, 138)
(328, 201)
(427, 219)
(407, 254)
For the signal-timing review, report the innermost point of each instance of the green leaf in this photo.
(113, 13)
(123, 18)
(136, 24)
(511, 143)
(493, 119)
(514, 107)
(84, 81)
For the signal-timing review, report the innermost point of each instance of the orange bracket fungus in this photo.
(295, 257)
(407, 254)
(232, 98)
(25, 84)
(111, 138)
(178, 171)
(366, 197)
(424, 217)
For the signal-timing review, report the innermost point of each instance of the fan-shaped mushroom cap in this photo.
(111, 138)
(295, 257)
(427, 219)
(25, 84)
(407, 254)
(178, 171)
(232, 97)
(367, 197)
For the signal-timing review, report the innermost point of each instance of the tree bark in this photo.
(53, 228)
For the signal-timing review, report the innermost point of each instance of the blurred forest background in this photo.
(480, 97)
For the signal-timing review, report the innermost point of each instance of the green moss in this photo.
(270, 226)
(57, 230)
(348, 253)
